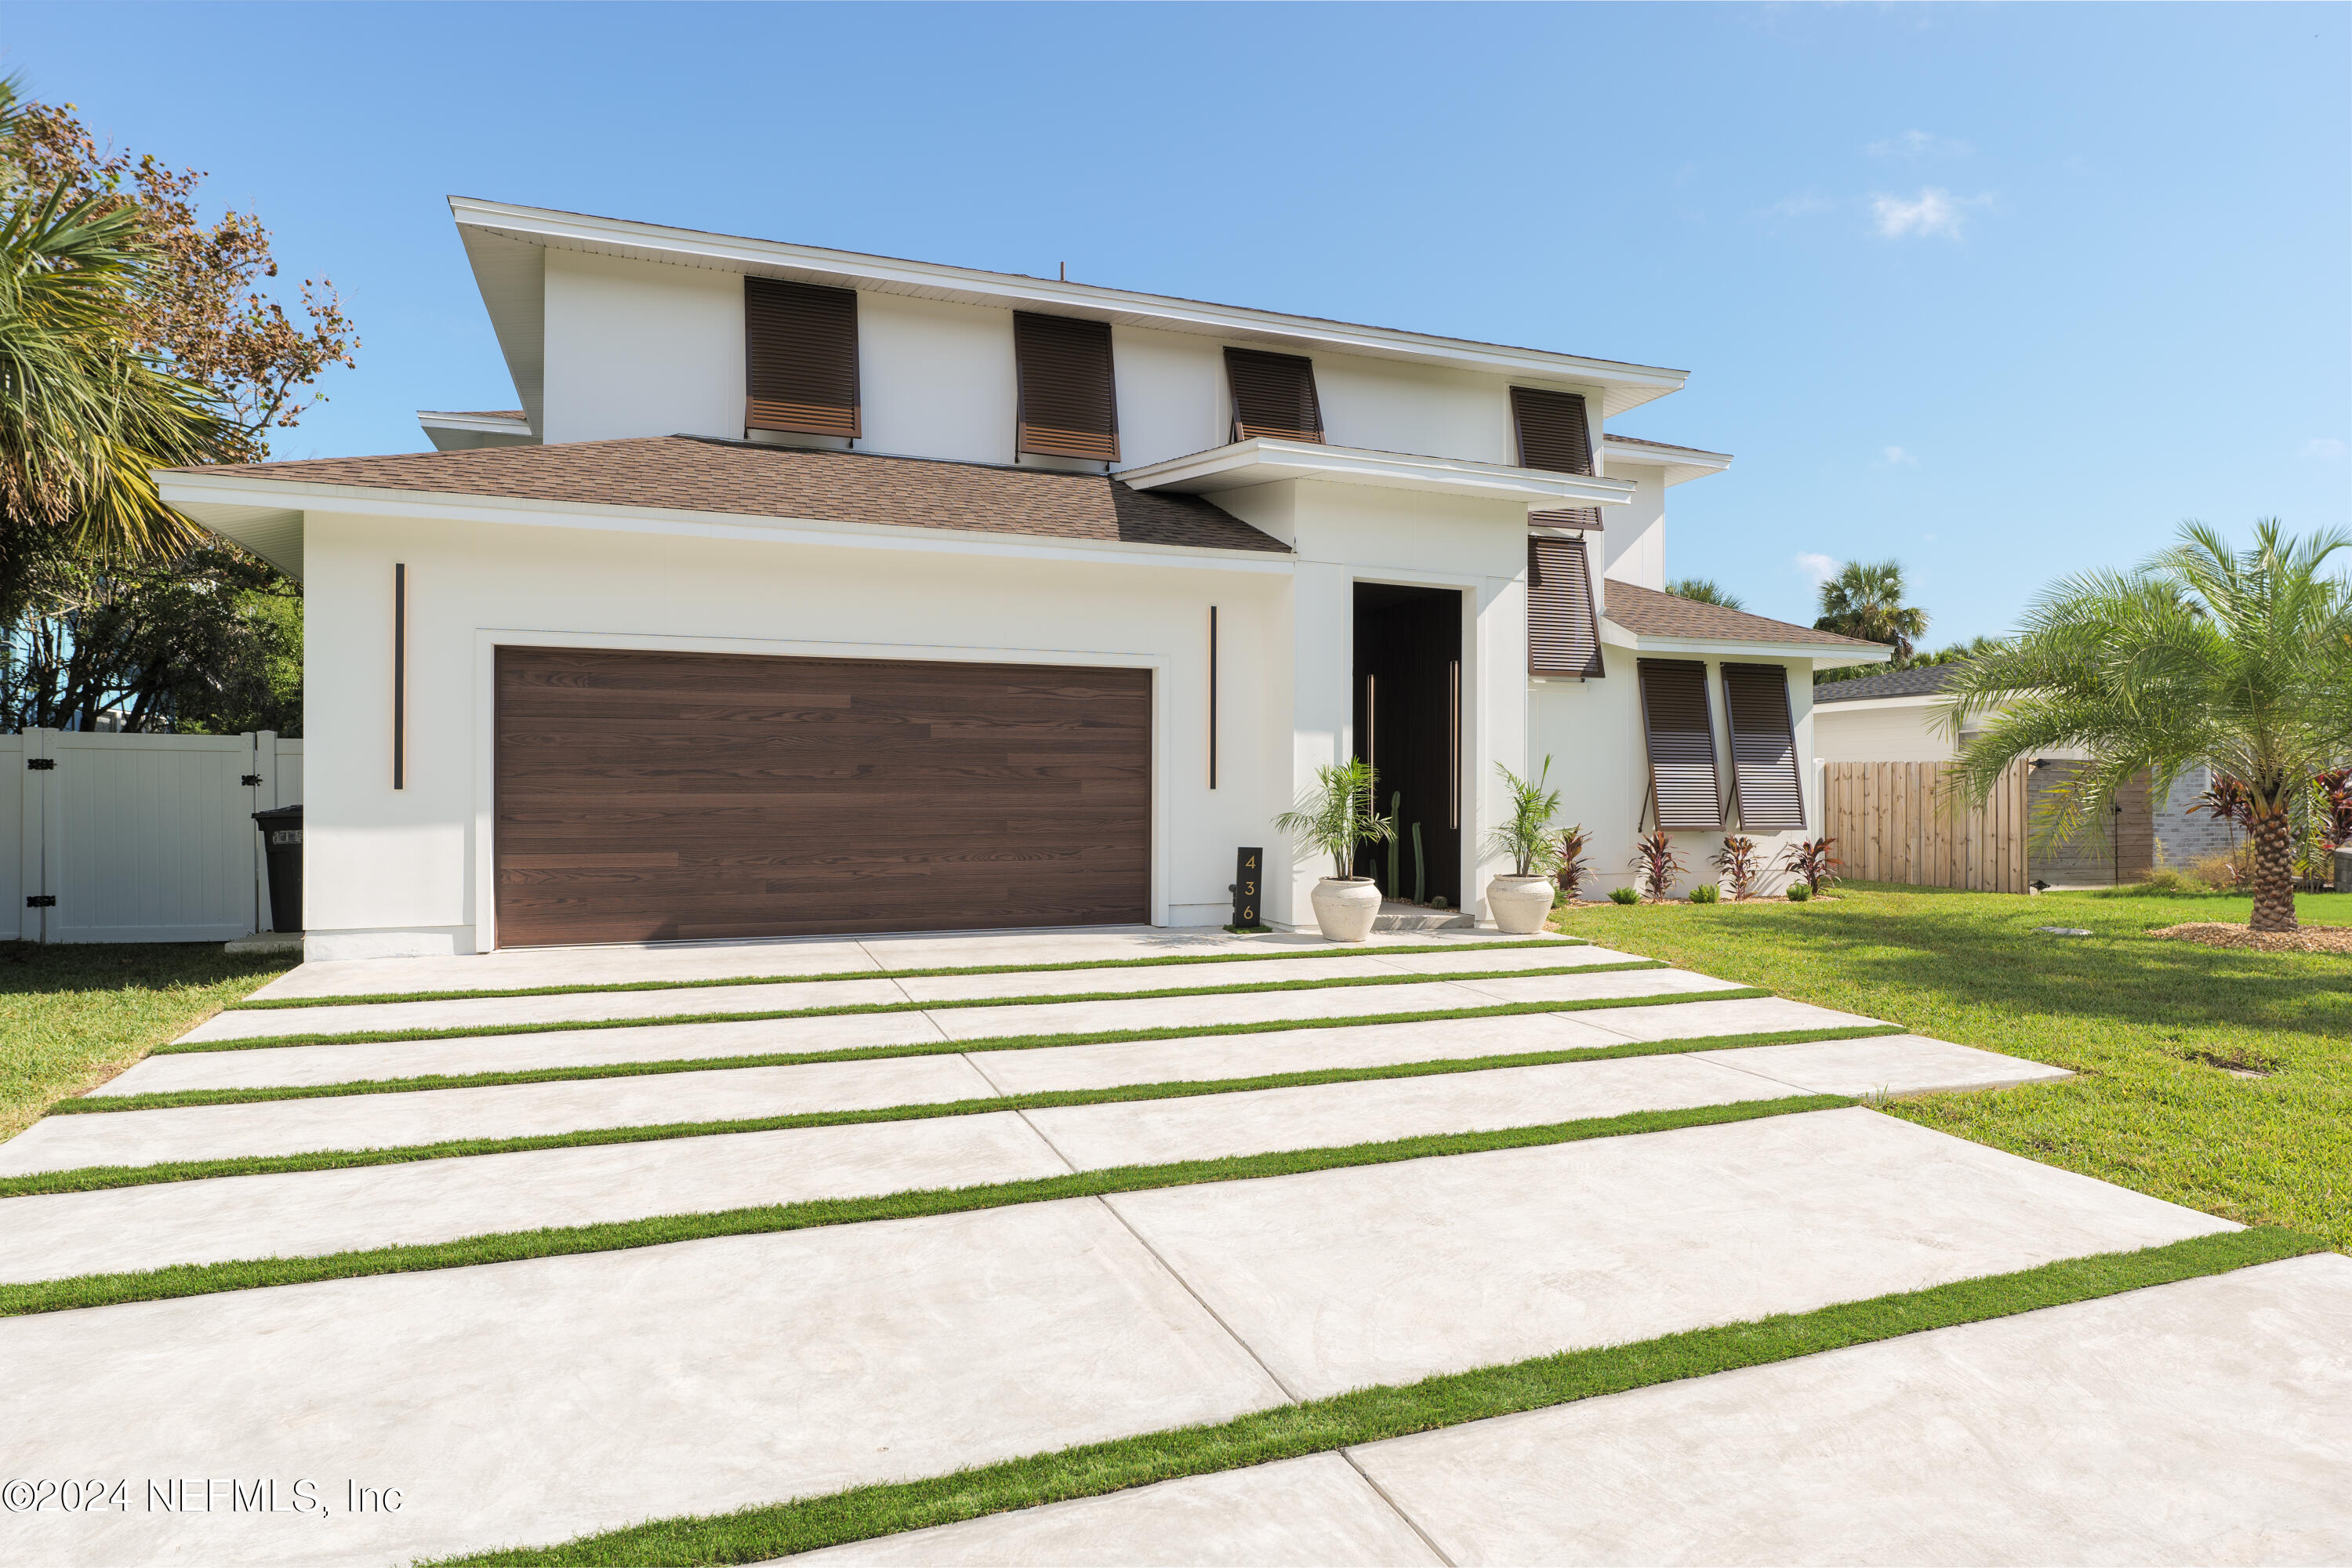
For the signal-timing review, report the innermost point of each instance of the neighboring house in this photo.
(812, 591)
(1898, 717)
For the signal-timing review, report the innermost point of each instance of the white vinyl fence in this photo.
(108, 838)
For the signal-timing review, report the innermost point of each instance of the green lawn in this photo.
(2145, 1022)
(73, 1016)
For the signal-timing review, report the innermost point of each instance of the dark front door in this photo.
(1409, 726)
(658, 796)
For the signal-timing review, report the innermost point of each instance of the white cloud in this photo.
(1895, 457)
(1820, 568)
(1919, 144)
(2325, 449)
(1935, 211)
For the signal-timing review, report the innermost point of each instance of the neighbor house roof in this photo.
(700, 473)
(1646, 613)
(1925, 680)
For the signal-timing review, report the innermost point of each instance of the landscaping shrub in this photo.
(1655, 864)
(1705, 893)
(1810, 859)
(1737, 861)
(1624, 896)
(1799, 892)
(1573, 870)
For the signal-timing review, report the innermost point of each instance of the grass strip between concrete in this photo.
(171, 1099)
(850, 1009)
(1372, 1414)
(1418, 949)
(256, 1274)
(95, 1178)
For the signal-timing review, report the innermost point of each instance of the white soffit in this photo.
(464, 432)
(274, 533)
(1265, 459)
(495, 233)
(1680, 463)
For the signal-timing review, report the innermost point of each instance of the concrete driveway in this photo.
(528, 1402)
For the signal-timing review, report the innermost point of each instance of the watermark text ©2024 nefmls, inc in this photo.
(199, 1494)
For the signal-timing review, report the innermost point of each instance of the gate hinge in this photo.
(41, 764)
(249, 780)
(40, 900)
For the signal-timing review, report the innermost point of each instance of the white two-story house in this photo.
(811, 592)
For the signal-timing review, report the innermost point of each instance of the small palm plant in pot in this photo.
(1522, 898)
(1336, 818)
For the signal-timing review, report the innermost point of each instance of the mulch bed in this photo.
(2216, 933)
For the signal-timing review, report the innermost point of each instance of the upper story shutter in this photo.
(1763, 748)
(1680, 726)
(1563, 633)
(1274, 394)
(1069, 400)
(800, 357)
(1554, 434)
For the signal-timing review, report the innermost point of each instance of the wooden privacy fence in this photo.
(1906, 822)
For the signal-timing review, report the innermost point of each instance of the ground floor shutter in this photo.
(1563, 633)
(1680, 729)
(1764, 775)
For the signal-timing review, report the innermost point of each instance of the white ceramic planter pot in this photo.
(1345, 910)
(1520, 903)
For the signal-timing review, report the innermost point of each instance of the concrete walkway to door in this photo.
(544, 1391)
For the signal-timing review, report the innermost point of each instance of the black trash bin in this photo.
(281, 838)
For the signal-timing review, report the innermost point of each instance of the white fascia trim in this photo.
(1263, 460)
(1625, 386)
(192, 494)
(481, 423)
(1881, 704)
(1814, 654)
(1681, 463)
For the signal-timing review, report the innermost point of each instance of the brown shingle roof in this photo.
(696, 473)
(1646, 613)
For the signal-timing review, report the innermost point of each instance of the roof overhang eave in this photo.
(1818, 656)
(1622, 386)
(1265, 460)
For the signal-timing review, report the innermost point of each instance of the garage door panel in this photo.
(665, 796)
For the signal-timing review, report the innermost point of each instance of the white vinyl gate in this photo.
(108, 838)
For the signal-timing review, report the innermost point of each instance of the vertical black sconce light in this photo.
(399, 675)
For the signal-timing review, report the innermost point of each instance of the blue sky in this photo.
(2003, 292)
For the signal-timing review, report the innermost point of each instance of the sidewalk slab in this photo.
(1293, 1514)
(509, 1012)
(536, 1400)
(2206, 1421)
(1390, 1273)
(1334, 1115)
(1591, 988)
(308, 1214)
(525, 968)
(259, 1066)
(1208, 1057)
(1752, 1016)
(1886, 1064)
(503, 1110)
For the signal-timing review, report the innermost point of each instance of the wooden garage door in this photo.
(659, 796)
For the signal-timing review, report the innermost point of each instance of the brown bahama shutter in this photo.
(1069, 401)
(1763, 748)
(1681, 730)
(1553, 434)
(1563, 633)
(800, 357)
(1274, 394)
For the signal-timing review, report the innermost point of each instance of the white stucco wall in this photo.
(1880, 731)
(638, 348)
(1634, 536)
(1592, 731)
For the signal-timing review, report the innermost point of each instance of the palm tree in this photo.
(84, 415)
(1705, 591)
(1865, 600)
(2240, 661)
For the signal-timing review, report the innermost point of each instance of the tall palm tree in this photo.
(1865, 600)
(84, 415)
(2239, 660)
